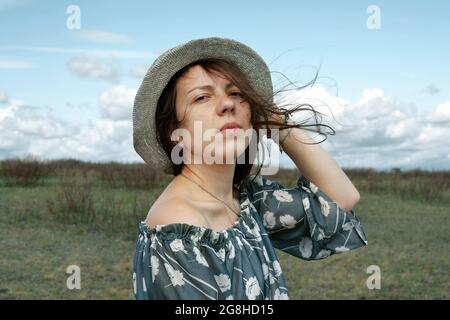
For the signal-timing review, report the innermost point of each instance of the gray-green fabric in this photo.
(183, 261)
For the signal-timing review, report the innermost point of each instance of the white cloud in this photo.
(441, 114)
(89, 67)
(104, 140)
(100, 36)
(35, 130)
(15, 64)
(380, 131)
(316, 96)
(33, 121)
(375, 130)
(89, 52)
(23, 127)
(116, 103)
(139, 71)
(7, 4)
(3, 97)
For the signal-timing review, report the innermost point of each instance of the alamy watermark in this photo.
(374, 20)
(73, 21)
(374, 280)
(74, 280)
(223, 147)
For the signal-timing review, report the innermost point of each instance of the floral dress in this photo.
(183, 261)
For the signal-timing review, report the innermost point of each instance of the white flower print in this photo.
(276, 268)
(265, 268)
(177, 245)
(176, 277)
(252, 289)
(283, 196)
(305, 203)
(247, 227)
(247, 244)
(321, 233)
(280, 295)
(246, 210)
(323, 254)
(288, 221)
(214, 236)
(341, 249)
(143, 284)
(325, 206)
(255, 231)
(271, 278)
(221, 254)
(153, 245)
(266, 256)
(313, 187)
(223, 281)
(307, 190)
(239, 242)
(134, 283)
(256, 227)
(269, 220)
(154, 263)
(305, 247)
(199, 257)
(230, 297)
(347, 226)
(197, 236)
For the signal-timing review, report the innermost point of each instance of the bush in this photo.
(73, 202)
(23, 172)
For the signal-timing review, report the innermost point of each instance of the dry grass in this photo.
(58, 213)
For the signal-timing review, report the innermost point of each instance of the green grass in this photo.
(35, 258)
(408, 240)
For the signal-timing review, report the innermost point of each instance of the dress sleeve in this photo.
(179, 261)
(303, 221)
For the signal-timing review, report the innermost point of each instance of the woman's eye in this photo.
(199, 98)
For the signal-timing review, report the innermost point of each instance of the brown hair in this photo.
(166, 120)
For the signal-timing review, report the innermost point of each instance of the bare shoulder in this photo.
(173, 210)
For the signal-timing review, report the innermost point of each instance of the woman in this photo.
(211, 234)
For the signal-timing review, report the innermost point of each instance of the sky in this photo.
(67, 89)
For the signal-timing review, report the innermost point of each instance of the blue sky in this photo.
(407, 59)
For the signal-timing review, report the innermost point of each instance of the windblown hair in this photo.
(166, 120)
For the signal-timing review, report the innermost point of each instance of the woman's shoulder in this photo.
(173, 209)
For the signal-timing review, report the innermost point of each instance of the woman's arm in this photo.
(319, 167)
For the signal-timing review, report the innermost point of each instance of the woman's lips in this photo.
(230, 130)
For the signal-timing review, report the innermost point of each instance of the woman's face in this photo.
(205, 110)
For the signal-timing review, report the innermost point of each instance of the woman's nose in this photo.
(226, 103)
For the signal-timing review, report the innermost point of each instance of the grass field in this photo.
(47, 226)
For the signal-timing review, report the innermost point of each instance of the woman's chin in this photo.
(228, 157)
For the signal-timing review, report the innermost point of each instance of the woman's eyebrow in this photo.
(209, 87)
